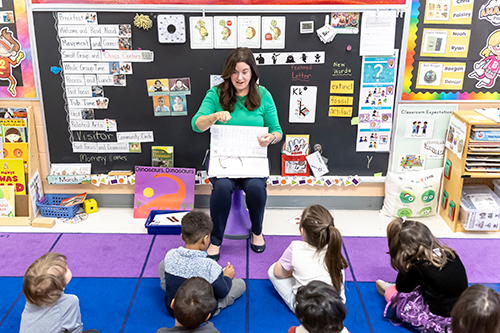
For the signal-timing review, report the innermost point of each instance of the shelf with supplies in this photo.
(23, 207)
(471, 144)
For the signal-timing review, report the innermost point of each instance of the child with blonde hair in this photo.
(431, 278)
(48, 309)
(317, 256)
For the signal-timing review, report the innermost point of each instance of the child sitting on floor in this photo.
(431, 278)
(191, 260)
(317, 257)
(320, 309)
(48, 309)
(193, 304)
(477, 311)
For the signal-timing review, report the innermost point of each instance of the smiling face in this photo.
(495, 49)
(161, 101)
(178, 84)
(241, 78)
(177, 100)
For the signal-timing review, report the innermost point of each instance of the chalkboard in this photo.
(132, 107)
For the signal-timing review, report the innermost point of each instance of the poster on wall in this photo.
(453, 54)
(16, 67)
(376, 102)
(413, 138)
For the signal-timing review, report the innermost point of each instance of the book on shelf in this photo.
(485, 134)
(7, 201)
(14, 134)
(12, 173)
(162, 156)
(17, 150)
(482, 169)
(483, 158)
(484, 149)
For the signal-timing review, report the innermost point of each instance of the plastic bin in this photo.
(479, 208)
(163, 229)
(50, 207)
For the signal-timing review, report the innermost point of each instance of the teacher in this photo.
(239, 101)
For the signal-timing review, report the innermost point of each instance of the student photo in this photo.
(161, 105)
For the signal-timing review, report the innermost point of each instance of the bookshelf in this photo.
(458, 176)
(23, 208)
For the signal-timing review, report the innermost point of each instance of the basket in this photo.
(50, 207)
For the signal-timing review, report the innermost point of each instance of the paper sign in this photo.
(84, 147)
(339, 111)
(135, 136)
(317, 164)
(86, 68)
(74, 80)
(113, 147)
(354, 121)
(75, 43)
(107, 125)
(91, 103)
(341, 87)
(77, 18)
(79, 91)
(103, 30)
(128, 55)
(341, 100)
(302, 104)
(80, 55)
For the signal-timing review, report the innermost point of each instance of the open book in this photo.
(235, 152)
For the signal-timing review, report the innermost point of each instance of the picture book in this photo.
(16, 150)
(162, 156)
(75, 200)
(7, 201)
(14, 134)
(12, 173)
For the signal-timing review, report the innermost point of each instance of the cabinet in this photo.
(456, 175)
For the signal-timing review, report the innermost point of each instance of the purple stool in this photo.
(238, 224)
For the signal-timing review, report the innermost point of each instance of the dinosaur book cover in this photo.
(159, 188)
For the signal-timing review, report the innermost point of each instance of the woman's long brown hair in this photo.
(412, 241)
(227, 92)
(319, 230)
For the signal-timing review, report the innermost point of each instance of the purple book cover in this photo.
(159, 188)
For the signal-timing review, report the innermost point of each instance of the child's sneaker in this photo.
(382, 286)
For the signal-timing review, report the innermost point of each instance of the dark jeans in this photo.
(220, 203)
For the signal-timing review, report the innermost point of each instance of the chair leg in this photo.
(238, 222)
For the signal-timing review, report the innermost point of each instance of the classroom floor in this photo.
(114, 264)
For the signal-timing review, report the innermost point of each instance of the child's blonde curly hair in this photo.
(44, 281)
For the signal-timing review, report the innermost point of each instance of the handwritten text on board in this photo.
(340, 111)
(341, 100)
(341, 87)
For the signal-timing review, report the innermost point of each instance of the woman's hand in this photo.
(222, 116)
(265, 139)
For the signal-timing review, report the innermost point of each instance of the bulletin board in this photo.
(132, 108)
(450, 52)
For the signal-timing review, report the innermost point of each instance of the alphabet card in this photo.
(273, 32)
(226, 32)
(249, 31)
(201, 32)
(302, 104)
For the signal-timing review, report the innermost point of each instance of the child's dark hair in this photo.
(194, 301)
(195, 225)
(320, 231)
(477, 310)
(319, 308)
(44, 280)
(411, 241)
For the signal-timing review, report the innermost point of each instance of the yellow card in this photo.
(341, 100)
(341, 87)
(340, 111)
(440, 76)
(354, 121)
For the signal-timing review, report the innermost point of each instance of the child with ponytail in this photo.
(317, 256)
(431, 278)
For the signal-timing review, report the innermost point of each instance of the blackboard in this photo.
(132, 107)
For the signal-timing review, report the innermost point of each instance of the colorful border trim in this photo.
(228, 2)
(408, 95)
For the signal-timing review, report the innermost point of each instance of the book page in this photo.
(236, 141)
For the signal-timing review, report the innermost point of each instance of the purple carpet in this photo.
(105, 255)
(369, 259)
(233, 251)
(480, 258)
(18, 251)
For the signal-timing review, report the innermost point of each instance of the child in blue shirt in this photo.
(191, 260)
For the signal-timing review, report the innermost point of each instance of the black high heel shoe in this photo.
(258, 248)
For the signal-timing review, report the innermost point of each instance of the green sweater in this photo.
(265, 115)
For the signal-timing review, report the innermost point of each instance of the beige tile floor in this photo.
(362, 223)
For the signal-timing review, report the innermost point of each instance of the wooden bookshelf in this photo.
(458, 174)
(24, 209)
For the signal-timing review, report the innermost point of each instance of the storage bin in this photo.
(50, 207)
(153, 228)
(479, 208)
